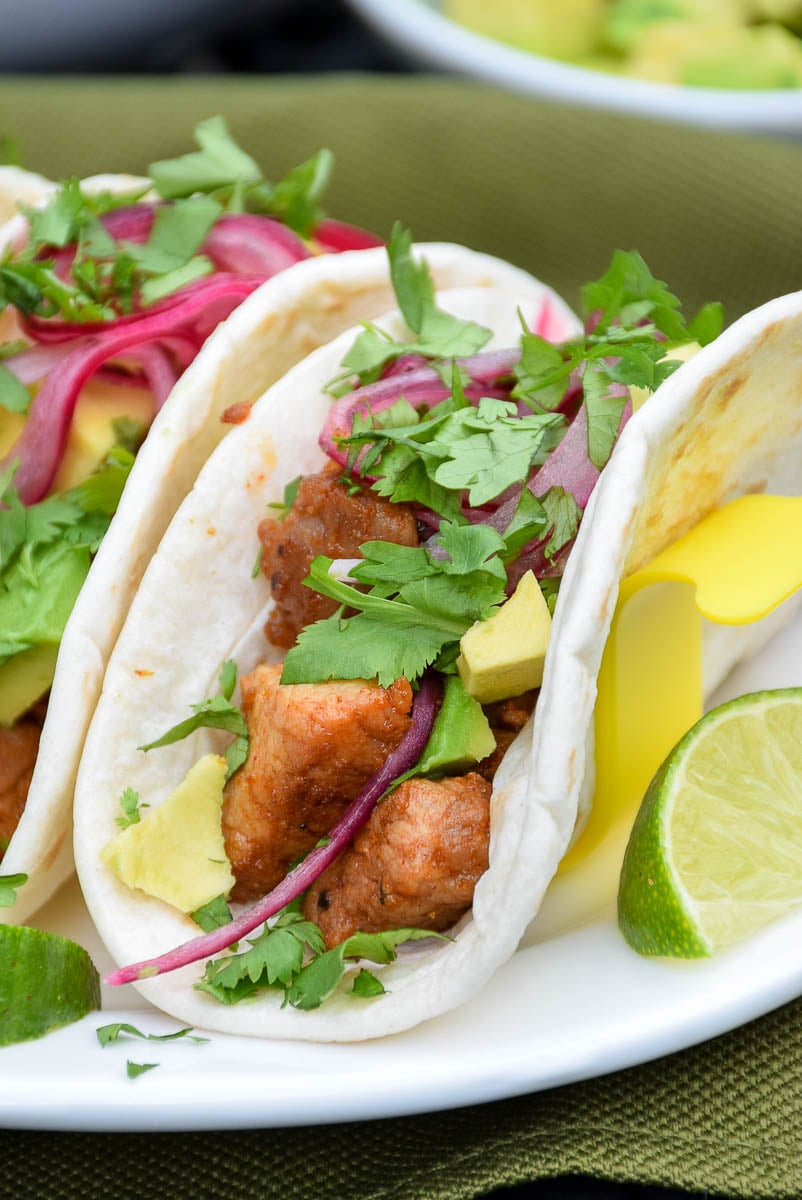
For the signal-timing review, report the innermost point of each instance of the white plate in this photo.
(574, 1002)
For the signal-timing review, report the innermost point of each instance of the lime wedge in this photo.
(46, 981)
(716, 850)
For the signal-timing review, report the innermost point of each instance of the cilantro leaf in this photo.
(707, 324)
(213, 915)
(491, 448)
(14, 396)
(629, 293)
(296, 198)
(228, 678)
(215, 713)
(134, 1070)
(129, 803)
(563, 515)
(218, 163)
(9, 886)
(604, 411)
(367, 985)
(363, 647)
(440, 336)
(274, 959)
(412, 281)
(106, 1034)
(319, 978)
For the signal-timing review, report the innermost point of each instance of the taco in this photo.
(440, 497)
(114, 304)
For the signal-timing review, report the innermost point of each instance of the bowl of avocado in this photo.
(733, 64)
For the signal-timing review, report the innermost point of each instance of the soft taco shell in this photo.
(164, 661)
(729, 421)
(278, 325)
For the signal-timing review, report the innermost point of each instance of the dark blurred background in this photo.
(188, 36)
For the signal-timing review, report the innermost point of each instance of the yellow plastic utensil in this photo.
(734, 567)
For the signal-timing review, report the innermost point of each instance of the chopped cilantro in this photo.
(216, 713)
(129, 803)
(213, 915)
(563, 515)
(284, 505)
(134, 1070)
(275, 959)
(222, 169)
(289, 956)
(106, 1034)
(9, 886)
(367, 985)
(14, 396)
(439, 335)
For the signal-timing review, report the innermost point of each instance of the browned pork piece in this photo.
(313, 748)
(415, 863)
(323, 519)
(18, 749)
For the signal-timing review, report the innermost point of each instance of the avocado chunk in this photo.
(765, 56)
(33, 614)
(177, 853)
(24, 678)
(46, 981)
(504, 655)
(461, 734)
(567, 30)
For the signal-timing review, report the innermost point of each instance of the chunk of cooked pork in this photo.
(313, 748)
(323, 519)
(18, 749)
(415, 863)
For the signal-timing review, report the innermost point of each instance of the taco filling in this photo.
(412, 580)
(106, 297)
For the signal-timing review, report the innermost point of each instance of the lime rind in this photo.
(46, 981)
(653, 911)
(716, 849)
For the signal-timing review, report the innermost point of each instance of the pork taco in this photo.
(376, 555)
(109, 292)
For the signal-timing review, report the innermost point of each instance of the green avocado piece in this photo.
(461, 734)
(46, 981)
(177, 853)
(33, 614)
(765, 56)
(628, 21)
(24, 679)
(567, 30)
(505, 655)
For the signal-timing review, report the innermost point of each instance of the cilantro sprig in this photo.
(107, 278)
(290, 956)
(432, 460)
(439, 335)
(630, 317)
(419, 603)
(121, 1030)
(9, 886)
(216, 713)
(130, 804)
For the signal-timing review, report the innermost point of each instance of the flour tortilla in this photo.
(278, 325)
(729, 421)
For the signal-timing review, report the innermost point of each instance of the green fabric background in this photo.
(555, 190)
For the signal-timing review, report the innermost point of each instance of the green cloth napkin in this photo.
(555, 190)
